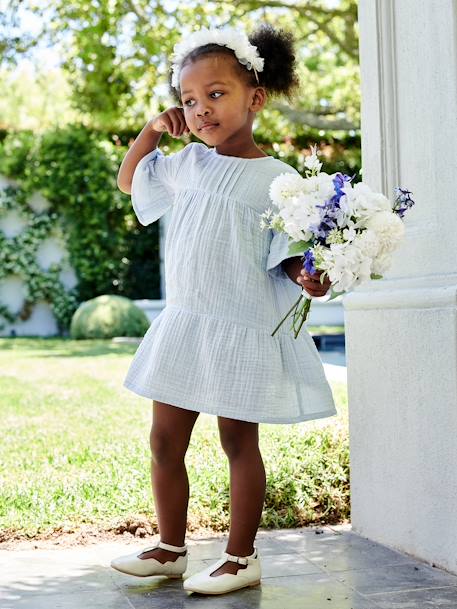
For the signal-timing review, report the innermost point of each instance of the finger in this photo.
(167, 123)
(182, 119)
(310, 277)
(179, 115)
(183, 126)
(309, 286)
(175, 124)
(316, 276)
(310, 282)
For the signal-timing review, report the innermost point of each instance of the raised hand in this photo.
(171, 120)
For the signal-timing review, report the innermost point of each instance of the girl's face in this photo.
(219, 107)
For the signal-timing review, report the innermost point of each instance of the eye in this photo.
(186, 103)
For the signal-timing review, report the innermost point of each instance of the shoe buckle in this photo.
(241, 560)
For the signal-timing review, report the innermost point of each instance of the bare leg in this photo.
(240, 441)
(170, 435)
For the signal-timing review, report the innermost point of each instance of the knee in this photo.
(235, 443)
(164, 448)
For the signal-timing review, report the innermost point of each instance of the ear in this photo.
(258, 100)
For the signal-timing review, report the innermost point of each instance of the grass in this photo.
(326, 329)
(75, 449)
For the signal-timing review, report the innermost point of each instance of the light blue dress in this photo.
(210, 349)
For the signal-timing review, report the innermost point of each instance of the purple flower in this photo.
(339, 181)
(330, 211)
(403, 201)
(308, 264)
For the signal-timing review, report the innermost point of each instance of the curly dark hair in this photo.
(279, 75)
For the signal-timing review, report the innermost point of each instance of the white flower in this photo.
(322, 185)
(284, 187)
(349, 231)
(381, 264)
(363, 202)
(312, 162)
(298, 213)
(335, 236)
(388, 228)
(347, 265)
(367, 242)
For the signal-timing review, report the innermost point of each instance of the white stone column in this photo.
(401, 332)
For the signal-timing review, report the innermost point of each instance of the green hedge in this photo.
(75, 170)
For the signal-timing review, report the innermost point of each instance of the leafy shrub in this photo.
(75, 169)
(107, 316)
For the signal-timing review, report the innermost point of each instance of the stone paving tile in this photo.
(429, 598)
(104, 600)
(350, 552)
(298, 540)
(308, 568)
(26, 576)
(394, 578)
(287, 565)
(313, 591)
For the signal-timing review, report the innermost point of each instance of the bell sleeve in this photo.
(279, 248)
(153, 183)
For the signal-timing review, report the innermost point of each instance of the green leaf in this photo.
(297, 248)
(334, 295)
(374, 276)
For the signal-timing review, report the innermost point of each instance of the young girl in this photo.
(228, 283)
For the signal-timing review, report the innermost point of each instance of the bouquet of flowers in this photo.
(345, 230)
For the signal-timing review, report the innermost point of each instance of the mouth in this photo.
(208, 126)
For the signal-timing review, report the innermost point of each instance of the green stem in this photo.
(299, 313)
(304, 312)
(287, 314)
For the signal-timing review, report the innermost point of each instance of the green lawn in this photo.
(75, 449)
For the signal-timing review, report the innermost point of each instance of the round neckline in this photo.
(241, 158)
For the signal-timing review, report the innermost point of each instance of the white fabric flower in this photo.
(233, 38)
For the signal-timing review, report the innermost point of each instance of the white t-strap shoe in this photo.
(132, 564)
(227, 582)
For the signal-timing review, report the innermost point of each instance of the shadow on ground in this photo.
(308, 568)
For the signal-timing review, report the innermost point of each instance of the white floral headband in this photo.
(232, 38)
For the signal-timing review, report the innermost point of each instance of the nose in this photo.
(202, 110)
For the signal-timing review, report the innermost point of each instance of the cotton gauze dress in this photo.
(210, 349)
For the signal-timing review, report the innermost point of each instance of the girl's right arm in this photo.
(172, 120)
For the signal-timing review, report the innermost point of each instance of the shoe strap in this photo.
(241, 560)
(167, 546)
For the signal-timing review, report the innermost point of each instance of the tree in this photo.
(116, 53)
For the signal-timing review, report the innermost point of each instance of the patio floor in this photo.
(308, 568)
